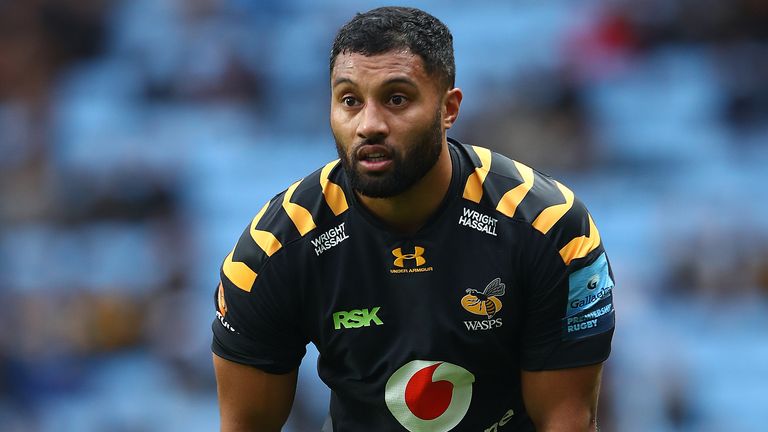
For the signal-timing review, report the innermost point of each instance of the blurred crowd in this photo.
(137, 138)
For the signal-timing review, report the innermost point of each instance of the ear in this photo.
(451, 103)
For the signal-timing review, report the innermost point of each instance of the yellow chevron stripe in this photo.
(581, 246)
(509, 202)
(332, 192)
(265, 239)
(549, 217)
(473, 190)
(239, 273)
(298, 214)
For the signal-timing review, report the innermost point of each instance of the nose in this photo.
(373, 124)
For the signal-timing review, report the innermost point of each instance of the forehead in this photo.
(360, 68)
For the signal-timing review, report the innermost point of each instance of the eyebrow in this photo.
(339, 81)
(394, 80)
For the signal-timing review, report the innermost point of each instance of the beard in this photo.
(408, 166)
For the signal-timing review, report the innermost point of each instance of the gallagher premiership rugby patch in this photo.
(590, 301)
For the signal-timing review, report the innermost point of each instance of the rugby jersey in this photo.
(426, 331)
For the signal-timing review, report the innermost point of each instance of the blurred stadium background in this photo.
(138, 137)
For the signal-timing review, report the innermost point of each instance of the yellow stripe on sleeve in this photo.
(581, 246)
(549, 217)
(509, 202)
(239, 273)
(300, 216)
(473, 190)
(333, 193)
(265, 239)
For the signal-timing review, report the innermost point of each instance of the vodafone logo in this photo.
(432, 396)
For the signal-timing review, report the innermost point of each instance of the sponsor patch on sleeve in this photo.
(590, 301)
(591, 322)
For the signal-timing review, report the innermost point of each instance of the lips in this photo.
(373, 152)
(374, 157)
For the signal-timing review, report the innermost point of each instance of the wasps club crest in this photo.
(484, 303)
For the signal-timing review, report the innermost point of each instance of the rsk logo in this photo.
(356, 318)
(429, 395)
(417, 255)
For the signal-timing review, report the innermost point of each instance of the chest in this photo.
(453, 297)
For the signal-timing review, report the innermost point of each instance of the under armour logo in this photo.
(417, 254)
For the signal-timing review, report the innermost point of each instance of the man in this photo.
(446, 287)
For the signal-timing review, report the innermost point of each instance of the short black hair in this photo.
(390, 28)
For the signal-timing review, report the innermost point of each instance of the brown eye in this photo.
(398, 100)
(349, 101)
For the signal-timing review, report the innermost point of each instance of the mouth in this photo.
(374, 158)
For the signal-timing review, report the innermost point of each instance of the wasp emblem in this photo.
(486, 302)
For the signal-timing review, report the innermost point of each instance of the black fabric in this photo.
(475, 295)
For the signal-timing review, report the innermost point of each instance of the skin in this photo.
(388, 100)
(251, 399)
(563, 400)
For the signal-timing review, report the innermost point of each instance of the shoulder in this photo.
(526, 196)
(314, 201)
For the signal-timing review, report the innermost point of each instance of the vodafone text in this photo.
(504, 420)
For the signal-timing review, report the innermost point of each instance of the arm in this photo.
(251, 399)
(569, 316)
(563, 400)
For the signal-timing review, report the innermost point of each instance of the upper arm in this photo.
(568, 308)
(257, 304)
(251, 399)
(568, 323)
(257, 341)
(562, 400)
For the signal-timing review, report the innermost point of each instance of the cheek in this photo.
(341, 134)
(415, 121)
(341, 124)
(412, 129)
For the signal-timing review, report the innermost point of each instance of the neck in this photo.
(408, 212)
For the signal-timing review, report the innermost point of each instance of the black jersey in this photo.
(429, 331)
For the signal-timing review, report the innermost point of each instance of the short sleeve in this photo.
(257, 312)
(569, 315)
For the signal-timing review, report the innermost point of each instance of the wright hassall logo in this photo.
(409, 262)
(330, 239)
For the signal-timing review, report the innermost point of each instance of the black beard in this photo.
(407, 170)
